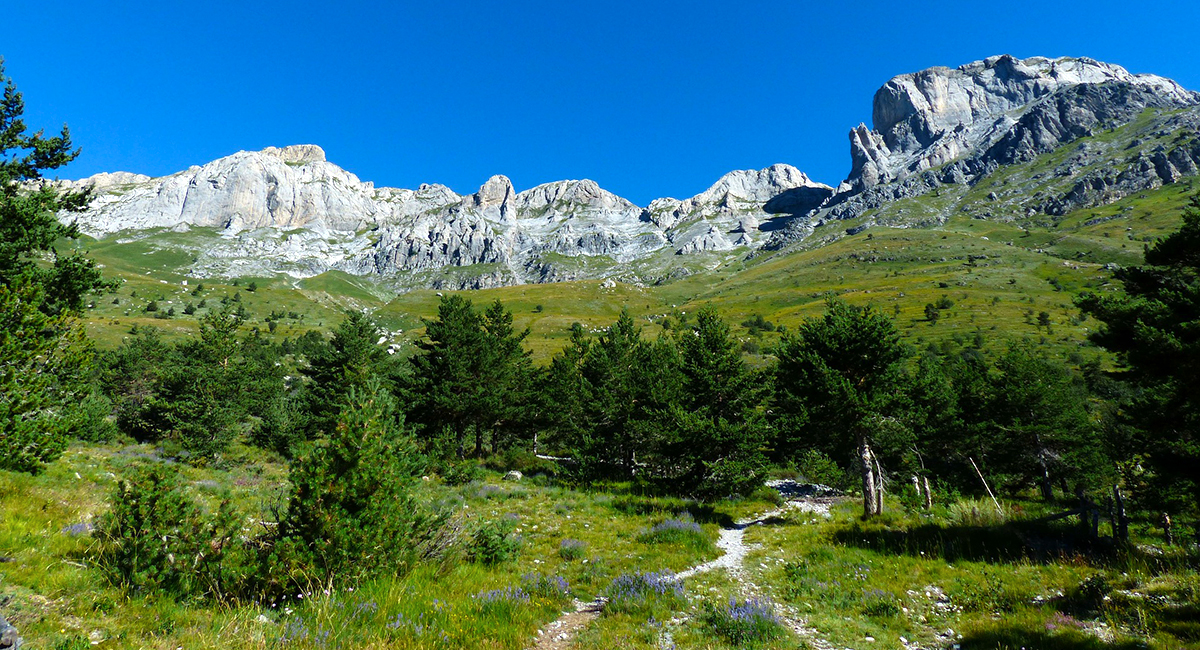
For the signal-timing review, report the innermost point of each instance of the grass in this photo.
(998, 585)
(912, 574)
(54, 595)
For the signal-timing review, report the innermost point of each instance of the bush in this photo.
(551, 588)
(641, 592)
(768, 494)
(502, 603)
(572, 549)
(156, 539)
(352, 513)
(493, 542)
(880, 604)
(744, 623)
(816, 467)
(90, 418)
(460, 472)
(523, 461)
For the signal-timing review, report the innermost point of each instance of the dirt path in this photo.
(559, 634)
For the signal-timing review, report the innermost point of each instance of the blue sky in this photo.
(647, 98)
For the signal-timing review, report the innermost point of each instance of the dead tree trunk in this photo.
(928, 495)
(879, 484)
(868, 479)
(1120, 521)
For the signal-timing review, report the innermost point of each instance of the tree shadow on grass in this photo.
(998, 544)
(1013, 637)
(659, 506)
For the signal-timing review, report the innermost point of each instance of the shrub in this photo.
(816, 467)
(880, 604)
(155, 538)
(639, 592)
(352, 513)
(571, 549)
(744, 623)
(493, 542)
(90, 418)
(768, 494)
(502, 602)
(681, 530)
(460, 472)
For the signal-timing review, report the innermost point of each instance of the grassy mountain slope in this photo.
(999, 273)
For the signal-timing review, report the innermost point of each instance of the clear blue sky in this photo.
(647, 98)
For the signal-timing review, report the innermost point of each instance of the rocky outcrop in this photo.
(943, 127)
(289, 210)
(9, 638)
(926, 119)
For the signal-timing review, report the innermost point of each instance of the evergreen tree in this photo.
(1039, 424)
(42, 348)
(508, 376)
(473, 377)
(445, 390)
(625, 384)
(838, 388)
(349, 359)
(352, 512)
(29, 207)
(712, 440)
(37, 387)
(1153, 326)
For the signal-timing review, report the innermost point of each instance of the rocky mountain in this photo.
(946, 129)
(289, 210)
(936, 131)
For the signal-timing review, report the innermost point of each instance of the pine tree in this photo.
(713, 438)
(838, 388)
(42, 349)
(624, 385)
(1153, 326)
(352, 512)
(349, 359)
(446, 388)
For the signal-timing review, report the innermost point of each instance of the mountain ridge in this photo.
(290, 210)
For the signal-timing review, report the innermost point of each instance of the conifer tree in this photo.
(1153, 326)
(349, 359)
(838, 388)
(713, 438)
(42, 347)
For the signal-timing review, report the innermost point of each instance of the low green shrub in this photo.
(681, 530)
(816, 467)
(494, 542)
(744, 624)
(572, 549)
(156, 539)
(641, 593)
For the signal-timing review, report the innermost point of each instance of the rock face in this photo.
(9, 639)
(290, 210)
(928, 118)
(952, 127)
